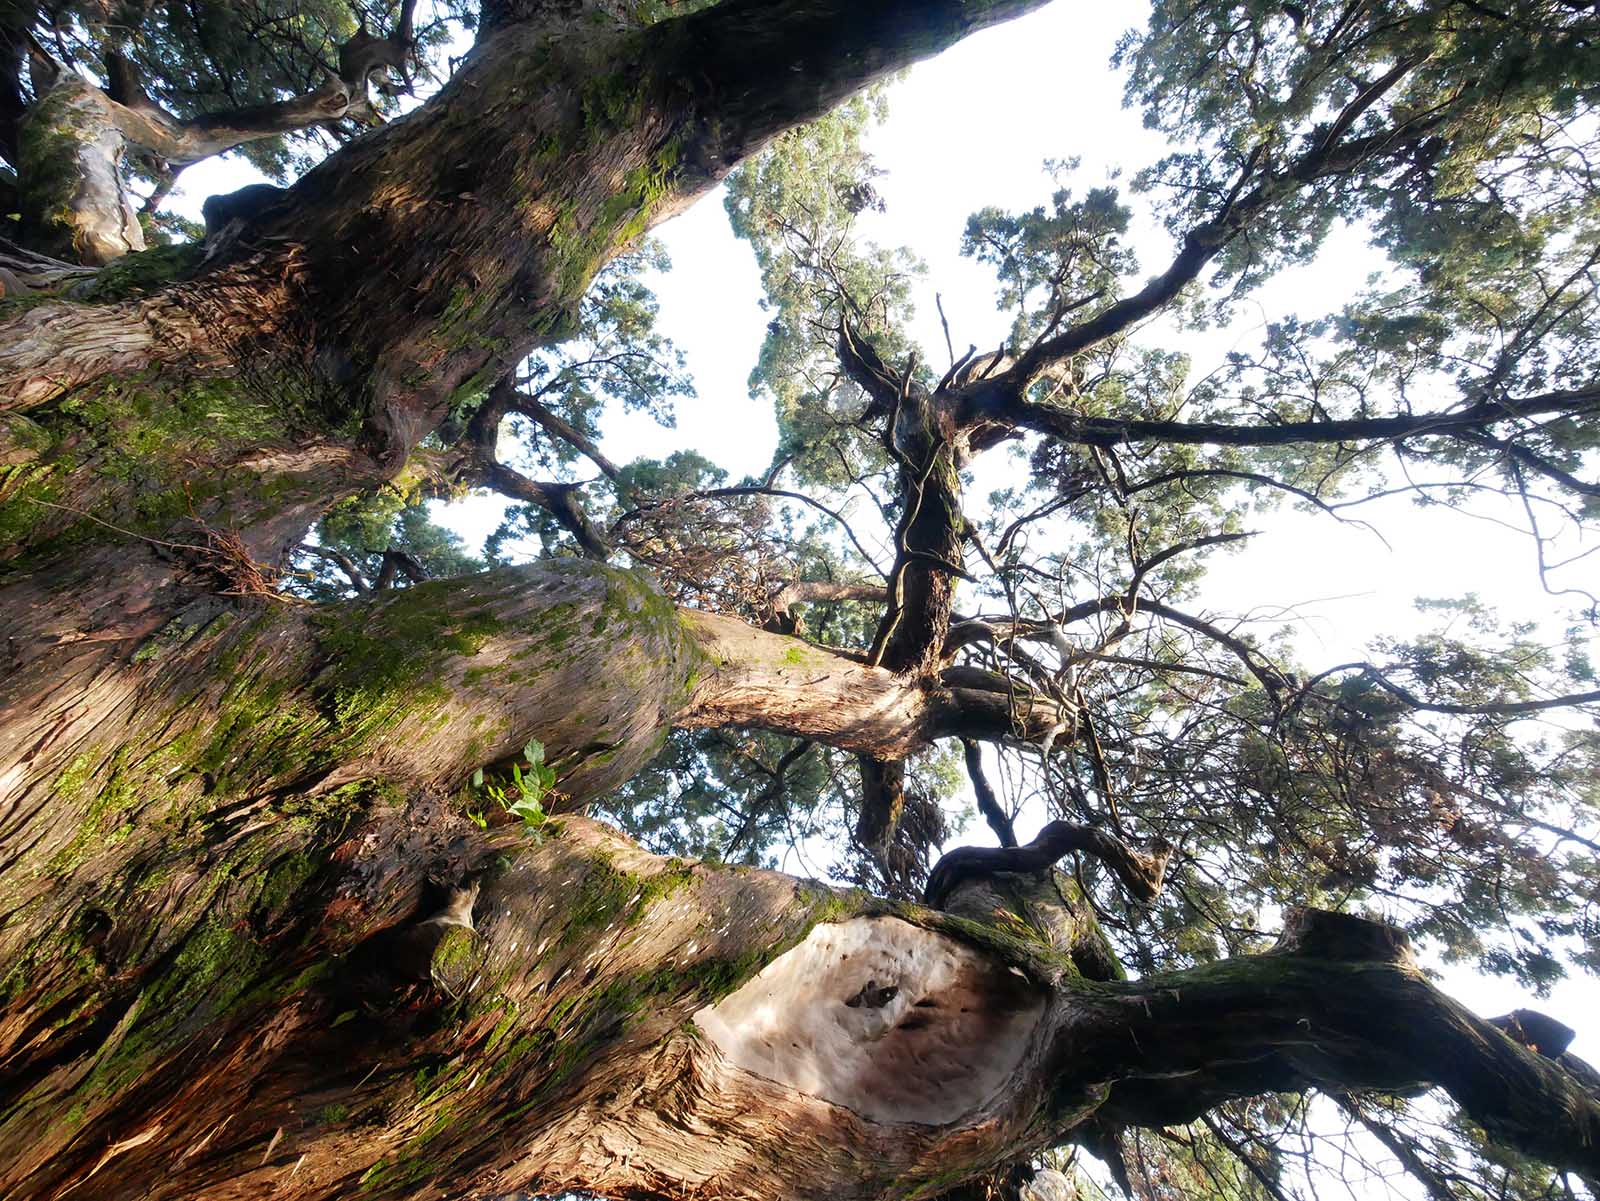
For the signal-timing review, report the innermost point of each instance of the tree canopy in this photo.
(1208, 783)
(1410, 784)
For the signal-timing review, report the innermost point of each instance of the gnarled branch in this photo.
(1140, 872)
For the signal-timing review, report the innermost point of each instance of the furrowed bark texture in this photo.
(454, 240)
(197, 814)
(194, 818)
(172, 426)
(204, 794)
(639, 1026)
(930, 536)
(225, 821)
(173, 739)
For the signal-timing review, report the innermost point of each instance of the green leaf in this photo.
(530, 811)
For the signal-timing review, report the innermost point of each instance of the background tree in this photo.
(100, 96)
(285, 905)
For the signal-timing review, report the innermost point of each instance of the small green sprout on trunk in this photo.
(523, 798)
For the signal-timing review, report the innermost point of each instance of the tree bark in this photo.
(290, 776)
(633, 1025)
(205, 792)
(253, 938)
(172, 426)
(72, 142)
(410, 271)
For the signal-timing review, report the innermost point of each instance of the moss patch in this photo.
(135, 274)
(383, 660)
(125, 453)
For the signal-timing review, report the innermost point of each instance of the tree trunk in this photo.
(242, 793)
(225, 819)
(170, 428)
(73, 193)
(607, 1024)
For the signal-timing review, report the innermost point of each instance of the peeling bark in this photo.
(175, 423)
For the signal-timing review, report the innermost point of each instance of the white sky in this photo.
(972, 128)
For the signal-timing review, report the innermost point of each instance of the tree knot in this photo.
(871, 996)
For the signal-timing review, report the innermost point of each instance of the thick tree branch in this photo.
(754, 678)
(1533, 462)
(779, 615)
(182, 141)
(397, 563)
(559, 500)
(1109, 432)
(493, 207)
(1300, 1017)
(821, 592)
(483, 467)
(863, 364)
(762, 64)
(343, 562)
(1140, 872)
(929, 535)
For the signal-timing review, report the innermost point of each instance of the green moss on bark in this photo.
(122, 455)
(583, 247)
(137, 274)
(383, 660)
(49, 142)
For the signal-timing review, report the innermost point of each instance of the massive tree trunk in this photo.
(608, 1024)
(172, 425)
(225, 819)
(208, 795)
